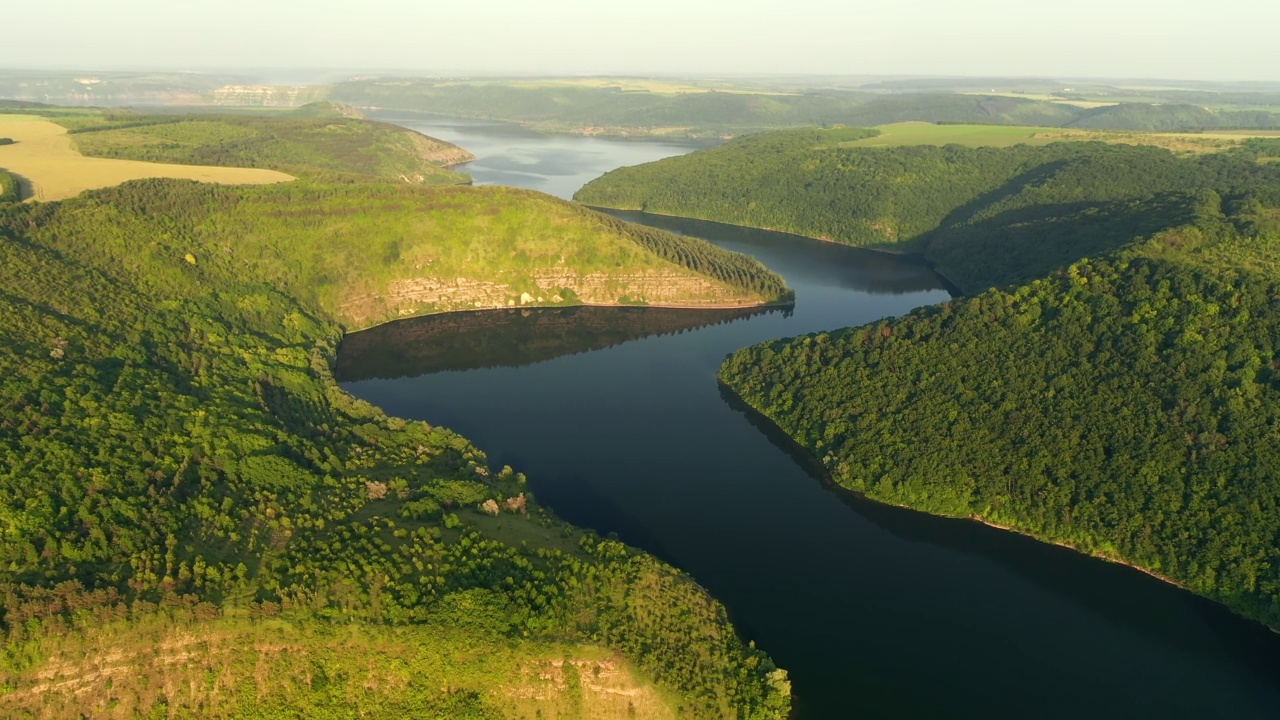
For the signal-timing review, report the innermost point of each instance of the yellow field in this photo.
(51, 169)
(921, 133)
(1086, 104)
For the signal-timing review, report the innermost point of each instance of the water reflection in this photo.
(512, 338)
(1120, 594)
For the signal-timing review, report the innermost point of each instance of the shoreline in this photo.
(535, 306)
(823, 475)
(1097, 556)
(951, 287)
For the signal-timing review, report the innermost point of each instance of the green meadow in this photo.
(922, 133)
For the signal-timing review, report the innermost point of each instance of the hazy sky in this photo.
(1223, 39)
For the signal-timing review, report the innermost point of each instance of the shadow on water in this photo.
(512, 338)
(845, 266)
(1121, 594)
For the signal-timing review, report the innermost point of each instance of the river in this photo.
(616, 417)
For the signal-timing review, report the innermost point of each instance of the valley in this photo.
(670, 436)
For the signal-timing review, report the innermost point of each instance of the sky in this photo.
(1174, 39)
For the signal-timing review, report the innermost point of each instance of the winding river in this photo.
(616, 417)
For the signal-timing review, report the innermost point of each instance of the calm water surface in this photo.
(509, 154)
(876, 612)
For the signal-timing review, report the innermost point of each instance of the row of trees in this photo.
(9, 191)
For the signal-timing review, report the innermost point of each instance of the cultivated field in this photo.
(1086, 104)
(921, 133)
(51, 169)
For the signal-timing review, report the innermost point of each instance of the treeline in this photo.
(986, 216)
(305, 144)
(9, 189)
(1125, 405)
(169, 427)
(733, 269)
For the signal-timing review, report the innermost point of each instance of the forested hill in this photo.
(565, 107)
(197, 520)
(315, 138)
(986, 216)
(1125, 405)
(637, 107)
(364, 253)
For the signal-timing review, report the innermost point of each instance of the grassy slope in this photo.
(922, 133)
(985, 216)
(1124, 406)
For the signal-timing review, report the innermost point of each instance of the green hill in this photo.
(327, 110)
(196, 521)
(365, 253)
(1142, 116)
(1125, 405)
(313, 139)
(985, 215)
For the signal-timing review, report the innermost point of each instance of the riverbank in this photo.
(814, 467)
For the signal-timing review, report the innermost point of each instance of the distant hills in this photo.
(693, 108)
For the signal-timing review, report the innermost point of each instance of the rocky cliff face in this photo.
(287, 96)
(420, 296)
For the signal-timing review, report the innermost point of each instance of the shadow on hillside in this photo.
(1018, 246)
(1035, 177)
(1144, 605)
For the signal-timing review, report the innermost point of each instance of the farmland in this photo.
(921, 133)
(51, 169)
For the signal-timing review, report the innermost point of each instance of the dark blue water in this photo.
(875, 611)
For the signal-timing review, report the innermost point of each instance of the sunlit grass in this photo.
(921, 133)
